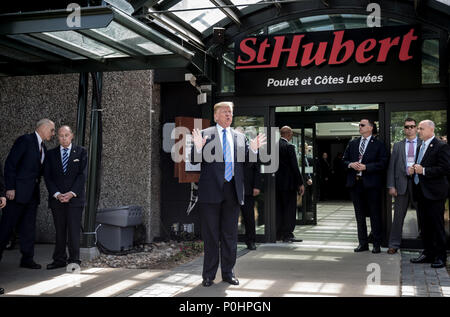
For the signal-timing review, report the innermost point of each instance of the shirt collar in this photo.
(39, 139)
(427, 142)
(413, 140)
(368, 138)
(69, 147)
(220, 128)
(284, 139)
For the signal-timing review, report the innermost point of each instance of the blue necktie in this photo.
(227, 157)
(419, 159)
(65, 160)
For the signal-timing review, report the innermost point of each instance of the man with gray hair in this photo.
(23, 170)
(430, 189)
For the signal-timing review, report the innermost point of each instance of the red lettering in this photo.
(386, 45)
(319, 57)
(251, 53)
(337, 47)
(293, 50)
(364, 47)
(406, 44)
(262, 51)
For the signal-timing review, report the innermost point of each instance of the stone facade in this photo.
(131, 137)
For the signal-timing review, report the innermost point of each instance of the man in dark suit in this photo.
(2, 202)
(400, 182)
(252, 186)
(366, 159)
(65, 170)
(23, 170)
(222, 153)
(289, 182)
(431, 190)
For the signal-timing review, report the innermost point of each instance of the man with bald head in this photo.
(23, 170)
(430, 189)
(65, 171)
(289, 182)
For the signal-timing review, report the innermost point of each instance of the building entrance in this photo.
(321, 134)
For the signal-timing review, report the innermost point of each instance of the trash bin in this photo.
(117, 226)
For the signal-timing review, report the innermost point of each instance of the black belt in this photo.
(358, 178)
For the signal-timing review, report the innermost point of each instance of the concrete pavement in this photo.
(324, 264)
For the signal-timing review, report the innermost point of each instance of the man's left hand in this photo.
(257, 142)
(256, 191)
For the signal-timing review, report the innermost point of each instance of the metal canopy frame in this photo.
(42, 43)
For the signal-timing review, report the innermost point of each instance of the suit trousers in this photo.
(26, 213)
(67, 222)
(367, 198)
(220, 232)
(433, 225)
(248, 215)
(286, 210)
(401, 204)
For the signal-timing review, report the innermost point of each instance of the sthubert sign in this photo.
(342, 60)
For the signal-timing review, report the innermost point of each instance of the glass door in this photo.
(304, 141)
(252, 121)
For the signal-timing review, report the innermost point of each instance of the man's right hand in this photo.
(11, 194)
(393, 191)
(199, 141)
(2, 202)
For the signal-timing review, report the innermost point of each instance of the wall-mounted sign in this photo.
(355, 59)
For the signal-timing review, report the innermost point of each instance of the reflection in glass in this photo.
(85, 43)
(327, 108)
(250, 126)
(198, 19)
(430, 62)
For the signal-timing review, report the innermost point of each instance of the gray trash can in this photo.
(117, 226)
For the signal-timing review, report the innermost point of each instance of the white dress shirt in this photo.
(229, 141)
(61, 151)
(40, 146)
(426, 144)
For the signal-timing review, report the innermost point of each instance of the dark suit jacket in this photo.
(2, 182)
(375, 158)
(436, 162)
(288, 176)
(74, 180)
(23, 168)
(252, 177)
(210, 186)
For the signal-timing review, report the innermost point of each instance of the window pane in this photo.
(430, 62)
(198, 19)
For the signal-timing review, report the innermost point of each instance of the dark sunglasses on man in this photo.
(409, 126)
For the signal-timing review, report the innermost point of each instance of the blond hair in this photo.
(223, 104)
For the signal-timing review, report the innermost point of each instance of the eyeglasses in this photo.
(362, 125)
(409, 126)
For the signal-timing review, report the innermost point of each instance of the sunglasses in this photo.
(409, 126)
(362, 125)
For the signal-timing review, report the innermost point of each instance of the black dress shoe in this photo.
(421, 259)
(31, 265)
(231, 280)
(361, 248)
(55, 265)
(438, 264)
(2, 291)
(251, 246)
(207, 282)
(376, 250)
